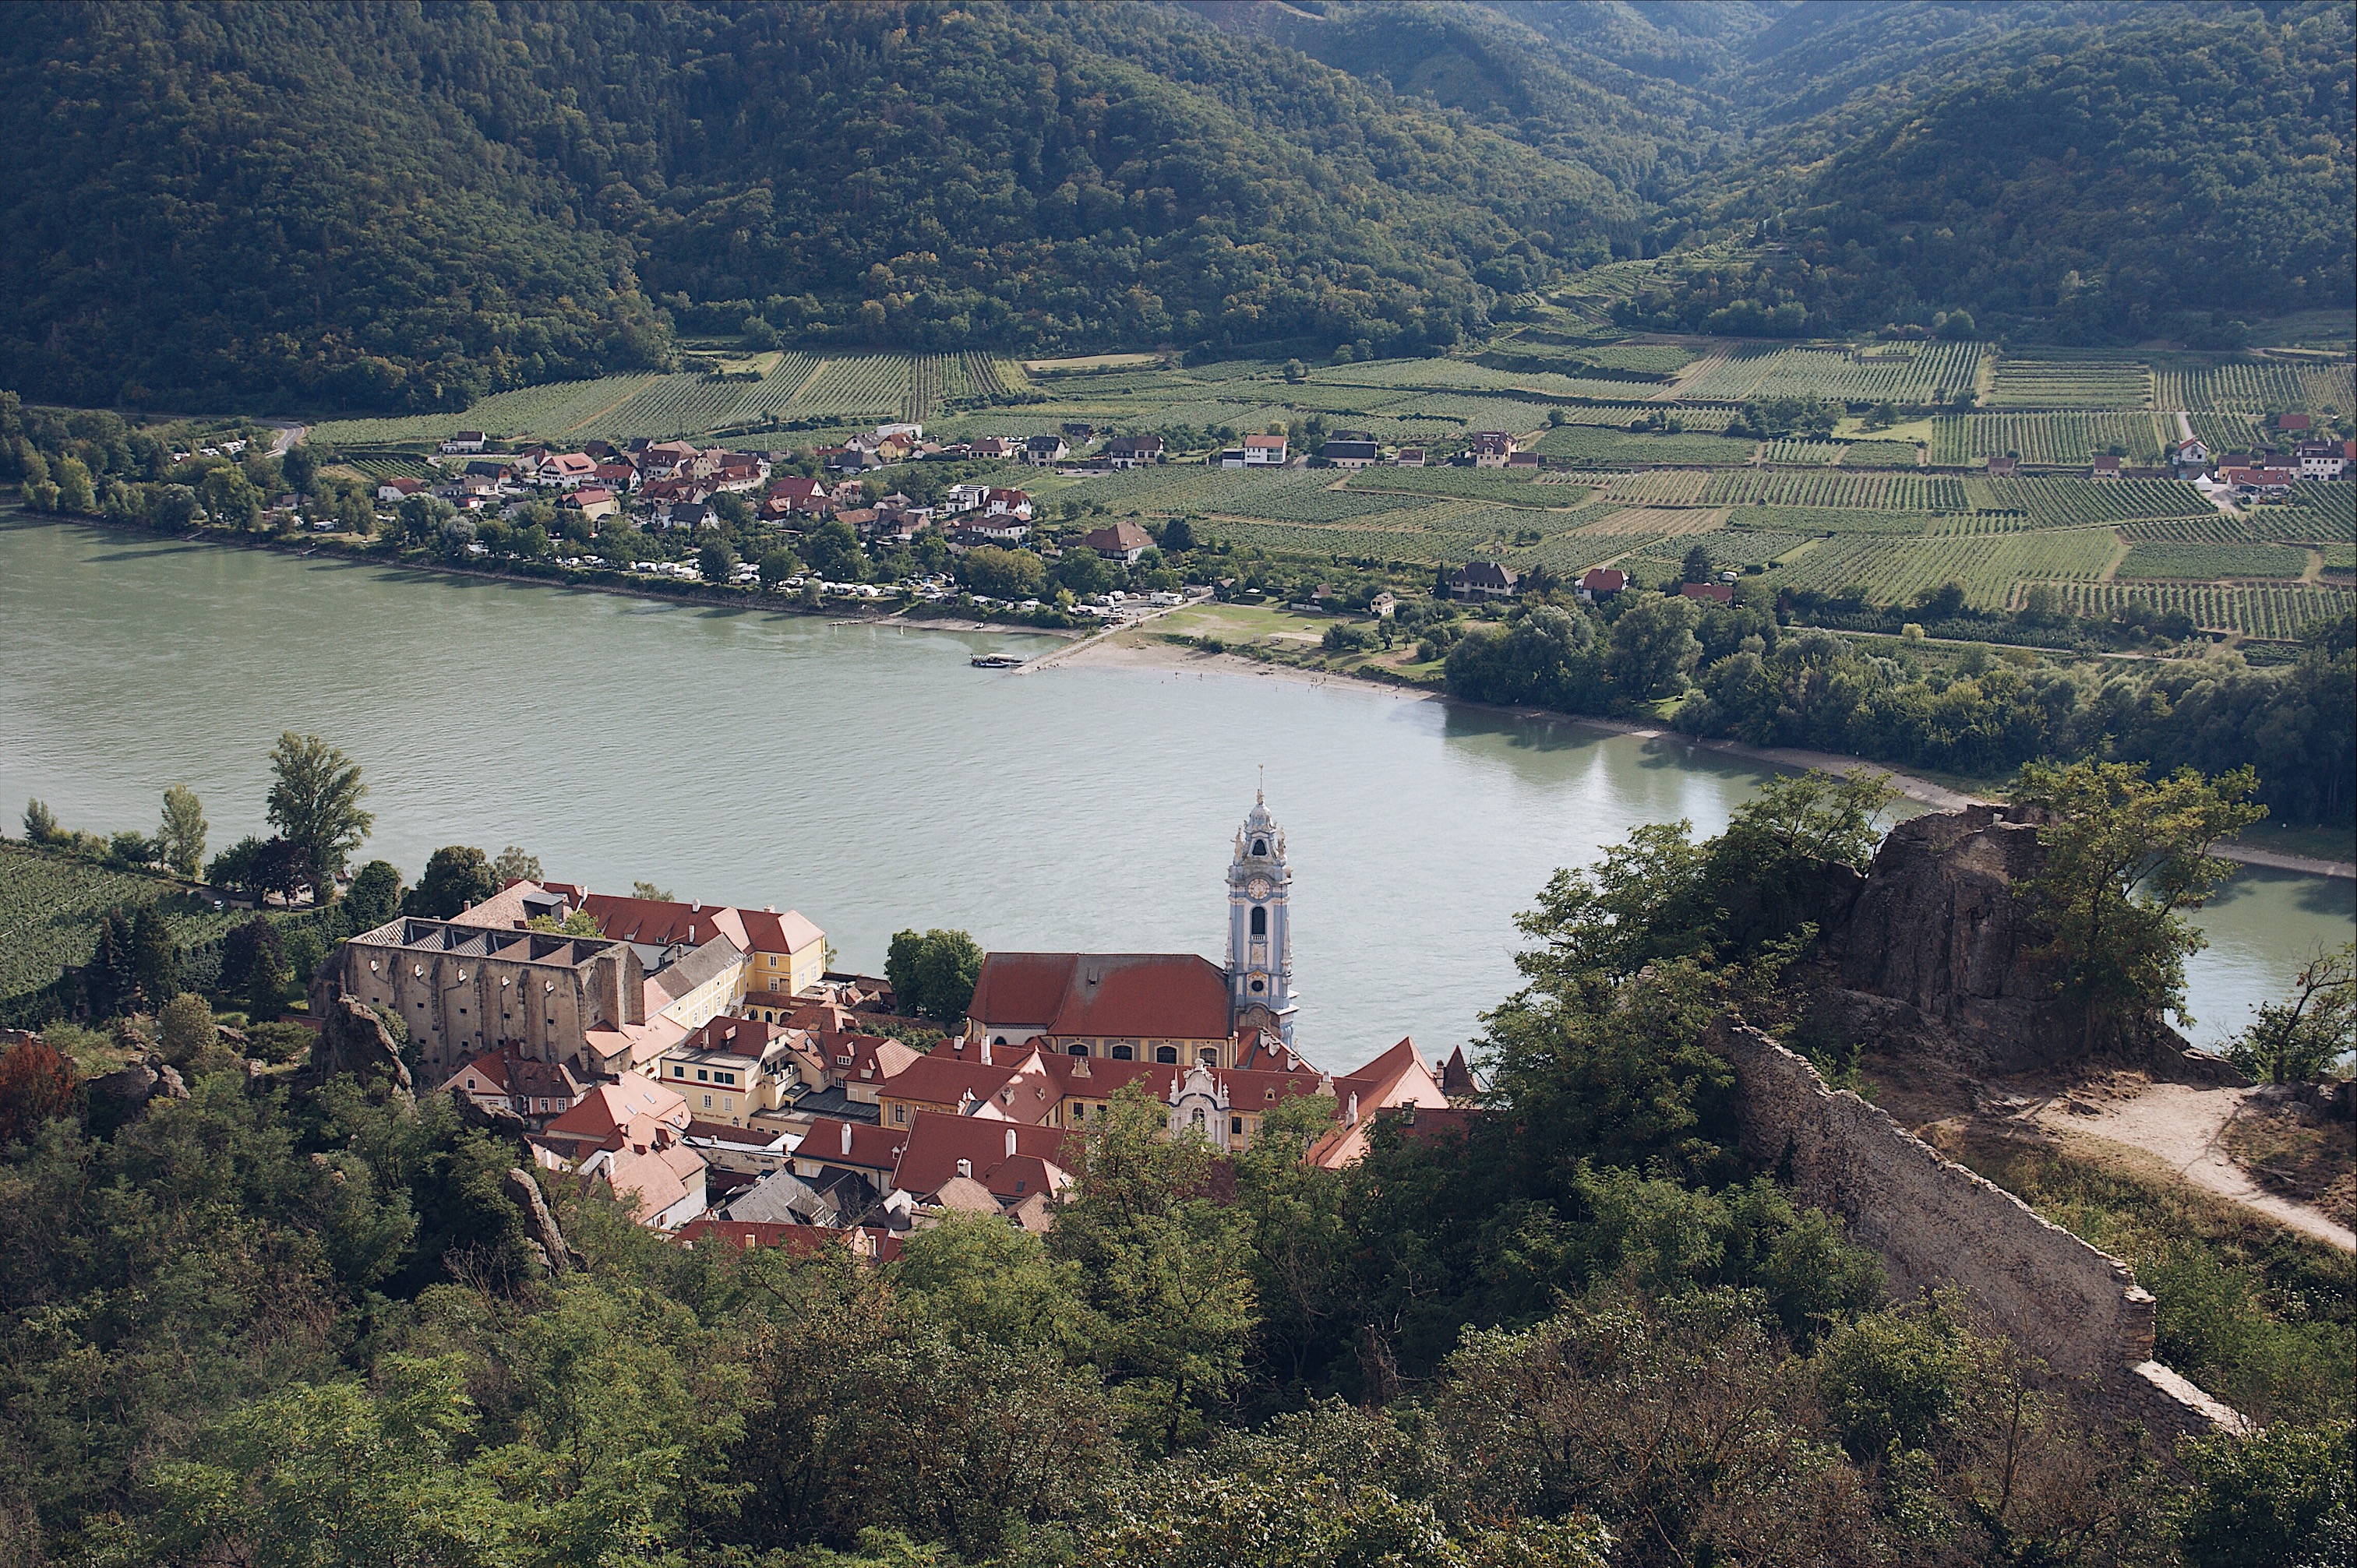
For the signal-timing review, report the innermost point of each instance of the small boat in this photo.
(996, 662)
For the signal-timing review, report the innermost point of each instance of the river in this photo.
(868, 777)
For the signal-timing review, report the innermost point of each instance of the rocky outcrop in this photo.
(354, 1039)
(539, 1225)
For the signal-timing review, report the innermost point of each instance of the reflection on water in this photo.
(868, 777)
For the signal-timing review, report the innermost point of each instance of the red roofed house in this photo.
(398, 489)
(2104, 467)
(567, 470)
(504, 1081)
(1124, 541)
(954, 1162)
(1490, 448)
(1264, 451)
(1598, 582)
(786, 953)
(594, 500)
(1165, 1007)
(2291, 422)
(730, 1068)
(1716, 592)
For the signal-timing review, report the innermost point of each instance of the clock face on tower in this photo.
(1258, 887)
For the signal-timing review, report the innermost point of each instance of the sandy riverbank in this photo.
(1143, 651)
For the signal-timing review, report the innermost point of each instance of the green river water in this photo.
(868, 777)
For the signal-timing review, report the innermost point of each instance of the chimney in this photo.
(846, 1138)
(1354, 1108)
(965, 1168)
(985, 1053)
(1010, 1143)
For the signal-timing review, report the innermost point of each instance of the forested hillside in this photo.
(407, 208)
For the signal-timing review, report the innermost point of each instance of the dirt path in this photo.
(2183, 1125)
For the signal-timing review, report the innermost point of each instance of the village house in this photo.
(2324, 459)
(398, 490)
(594, 501)
(974, 531)
(1124, 541)
(1484, 580)
(505, 1081)
(631, 1111)
(2103, 466)
(566, 470)
(615, 475)
(1350, 449)
(731, 1069)
(1601, 582)
(664, 1188)
(998, 446)
(462, 441)
(1712, 592)
(1525, 460)
(1133, 451)
(2002, 467)
(1490, 448)
(1040, 451)
(1265, 451)
(2188, 457)
(1409, 458)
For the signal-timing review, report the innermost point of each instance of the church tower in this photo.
(1260, 930)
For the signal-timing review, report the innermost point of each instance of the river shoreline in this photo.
(1132, 648)
(1115, 651)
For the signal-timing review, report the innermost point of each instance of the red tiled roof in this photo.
(737, 1037)
(1136, 994)
(1721, 593)
(1604, 580)
(946, 1081)
(936, 1141)
(873, 1148)
(1123, 536)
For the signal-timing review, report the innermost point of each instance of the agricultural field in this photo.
(1803, 454)
(1898, 372)
(1881, 455)
(2258, 386)
(1728, 548)
(854, 387)
(383, 466)
(49, 906)
(2215, 529)
(1635, 359)
(1504, 486)
(2323, 510)
(2277, 613)
(2226, 432)
(2211, 563)
(550, 410)
(2063, 439)
(1464, 375)
(1841, 489)
(1581, 444)
(1667, 487)
(1831, 520)
(2066, 503)
(2070, 383)
(1988, 566)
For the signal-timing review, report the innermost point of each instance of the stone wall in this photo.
(1938, 1225)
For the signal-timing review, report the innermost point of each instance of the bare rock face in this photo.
(539, 1225)
(1939, 926)
(354, 1039)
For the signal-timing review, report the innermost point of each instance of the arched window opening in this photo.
(1121, 1053)
(1076, 1051)
(1260, 846)
(1166, 1055)
(1260, 922)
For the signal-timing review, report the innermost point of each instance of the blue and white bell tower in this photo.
(1260, 927)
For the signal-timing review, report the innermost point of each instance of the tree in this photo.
(1083, 571)
(38, 1082)
(1698, 567)
(185, 1029)
(182, 835)
(155, 956)
(373, 898)
(74, 492)
(776, 566)
(457, 877)
(1163, 1268)
(1296, 372)
(281, 867)
(715, 561)
(2272, 1498)
(651, 893)
(40, 823)
(1652, 648)
(237, 867)
(266, 983)
(242, 949)
(833, 551)
(315, 802)
(1177, 535)
(2125, 858)
(111, 978)
(515, 864)
(2304, 1036)
(1003, 574)
(933, 973)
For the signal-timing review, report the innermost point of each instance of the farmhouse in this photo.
(1484, 580)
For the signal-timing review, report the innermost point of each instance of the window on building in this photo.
(1235, 1126)
(1208, 1056)
(1076, 1051)
(1198, 1118)
(1122, 1053)
(707, 1102)
(1260, 846)
(1166, 1055)
(1260, 922)
(702, 1076)
(1260, 986)
(900, 1115)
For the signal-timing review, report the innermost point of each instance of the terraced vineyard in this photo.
(381, 467)
(1841, 489)
(2226, 432)
(2215, 529)
(2065, 503)
(1676, 486)
(1821, 520)
(2070, 383)
(2277, 613)
(2258, 386)
(1803, 454)
(550, 410)
(852, 387)
(2317, 511)
(1881, 455)
(1906, 374)
(2209, 563)
(777, 389)
(2066, 439)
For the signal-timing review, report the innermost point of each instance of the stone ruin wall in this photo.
(1936, 1224)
